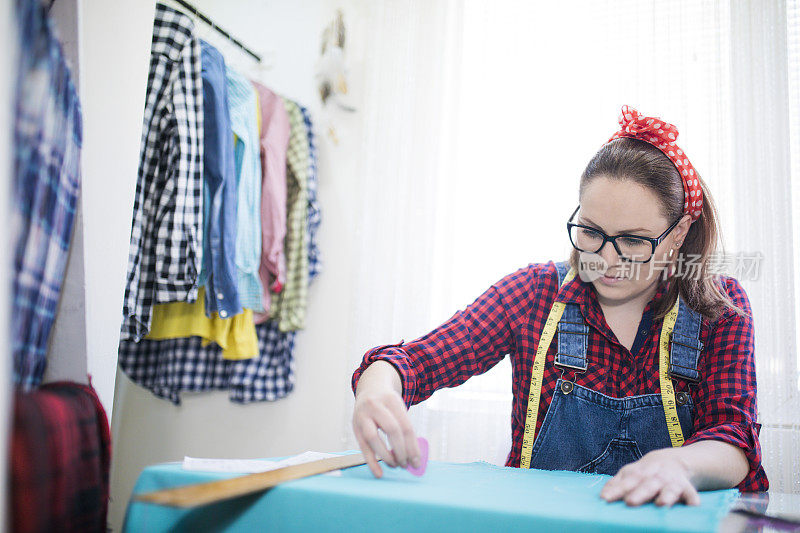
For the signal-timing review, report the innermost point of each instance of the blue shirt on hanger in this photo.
(242, 105)
(220, 193)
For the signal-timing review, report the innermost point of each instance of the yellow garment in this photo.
(235, 335)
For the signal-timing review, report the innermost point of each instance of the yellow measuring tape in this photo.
(667, 391)
(535, 391)
(536, 375)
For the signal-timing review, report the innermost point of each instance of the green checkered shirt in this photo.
(288, 307)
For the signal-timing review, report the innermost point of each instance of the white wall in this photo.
(148, 430)
(107, 45)
(66, 351)
(115, 43)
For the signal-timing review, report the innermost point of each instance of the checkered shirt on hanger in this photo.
(46, 181)
(314, 217)
(289, 306)
(166, 245)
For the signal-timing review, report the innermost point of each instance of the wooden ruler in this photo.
(215, 491)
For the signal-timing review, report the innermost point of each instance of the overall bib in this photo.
(587, 431)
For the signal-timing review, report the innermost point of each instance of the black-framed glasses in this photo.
(632, 248)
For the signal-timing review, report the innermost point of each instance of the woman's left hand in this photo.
(661, 475)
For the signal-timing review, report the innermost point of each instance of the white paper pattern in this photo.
(252, 466)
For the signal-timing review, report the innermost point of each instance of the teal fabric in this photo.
(449, 497)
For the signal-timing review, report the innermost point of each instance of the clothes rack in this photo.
(219, 30)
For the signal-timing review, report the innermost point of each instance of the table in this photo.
(771, 504)
(449, 497)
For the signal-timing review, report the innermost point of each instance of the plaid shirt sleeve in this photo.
(179, 241)
(46, 182)
(469, 343)
(725, 398)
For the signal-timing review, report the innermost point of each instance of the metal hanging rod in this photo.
(224, 33)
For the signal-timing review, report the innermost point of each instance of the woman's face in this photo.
(623, 206)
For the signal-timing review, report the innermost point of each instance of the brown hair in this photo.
(639, 161)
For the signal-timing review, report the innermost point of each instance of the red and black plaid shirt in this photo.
(60, 460)
(508, 319)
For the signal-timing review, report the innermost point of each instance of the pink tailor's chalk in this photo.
(423, 448)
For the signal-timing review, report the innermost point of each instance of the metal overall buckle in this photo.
(671, 364)
(568, 386)
(681, 397)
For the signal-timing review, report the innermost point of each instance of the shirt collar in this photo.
(584, 294)
(577, 290)
(574, 291)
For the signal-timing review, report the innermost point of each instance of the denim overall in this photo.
(587, 431)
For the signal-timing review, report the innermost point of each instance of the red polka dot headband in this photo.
(662, 135)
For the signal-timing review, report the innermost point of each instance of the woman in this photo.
(639, 358)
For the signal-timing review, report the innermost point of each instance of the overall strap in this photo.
(573, 333)
(562, 267)
(685, 345)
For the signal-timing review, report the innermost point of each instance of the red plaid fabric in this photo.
(508, 319)
(60, 459)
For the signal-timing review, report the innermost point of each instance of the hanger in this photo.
(191, 11)
(257, 71)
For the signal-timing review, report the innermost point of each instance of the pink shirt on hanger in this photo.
(274, 143)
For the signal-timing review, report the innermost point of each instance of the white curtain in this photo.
(478, 118)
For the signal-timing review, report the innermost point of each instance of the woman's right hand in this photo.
(379, 405)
